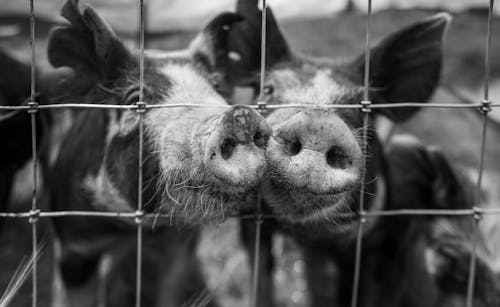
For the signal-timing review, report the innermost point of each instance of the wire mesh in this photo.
(140, 218)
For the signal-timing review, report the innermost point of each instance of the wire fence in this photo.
(140, 218)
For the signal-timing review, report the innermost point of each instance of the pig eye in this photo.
(268, 89)
(131, 95)
(216, 80)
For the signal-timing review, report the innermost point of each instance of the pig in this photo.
(460, 137)
(421, 261)
(317, 157)
(447, 261)
(200, 164)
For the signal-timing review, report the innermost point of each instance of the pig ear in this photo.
(237, 52)
(87, 44)
(210, 46)
(245, 40)
(406, 66)
(231, 44)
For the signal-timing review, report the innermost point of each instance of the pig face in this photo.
(315, 156)
(200, 163)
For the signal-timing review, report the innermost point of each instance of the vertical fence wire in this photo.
(366, 110)
(486, 102)
(262, 103)
(263, 41)
(32, 112)
(140, 110)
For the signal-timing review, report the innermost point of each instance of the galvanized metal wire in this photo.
(33, 105)
(376, 106)
(133, 215)
(485, 108)
(366, 105)
(139, 217)
(261, 107)
(140, 110)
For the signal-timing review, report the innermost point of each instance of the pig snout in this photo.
(236, 149)
(316, 150)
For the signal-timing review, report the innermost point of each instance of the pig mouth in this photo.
(225, 183)
(299, 205)
(205, 201)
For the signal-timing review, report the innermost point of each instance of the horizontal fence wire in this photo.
(269, 106)
(134, 214)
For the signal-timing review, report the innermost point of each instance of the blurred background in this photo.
(192, 14)
(329, 28)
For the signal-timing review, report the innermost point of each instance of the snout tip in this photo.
(243, 124)
(244, 167)
(315, 171)
(235, 150)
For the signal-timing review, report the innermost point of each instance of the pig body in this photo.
(460, 137)
(418, 261)
(200, 163)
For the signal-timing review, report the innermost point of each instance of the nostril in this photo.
(227, 148)
(294, 147)
(259, 139)
(337, 158)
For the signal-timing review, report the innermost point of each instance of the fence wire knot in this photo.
(33, 107)
(258, 218)
(478, 213)
(365, 106)
(486, 106)
(261, 105)
(141, 106)
(34, 215)
(362, 216)
(139, 216)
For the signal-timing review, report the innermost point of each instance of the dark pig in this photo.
(200, 163)
(423, 260)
